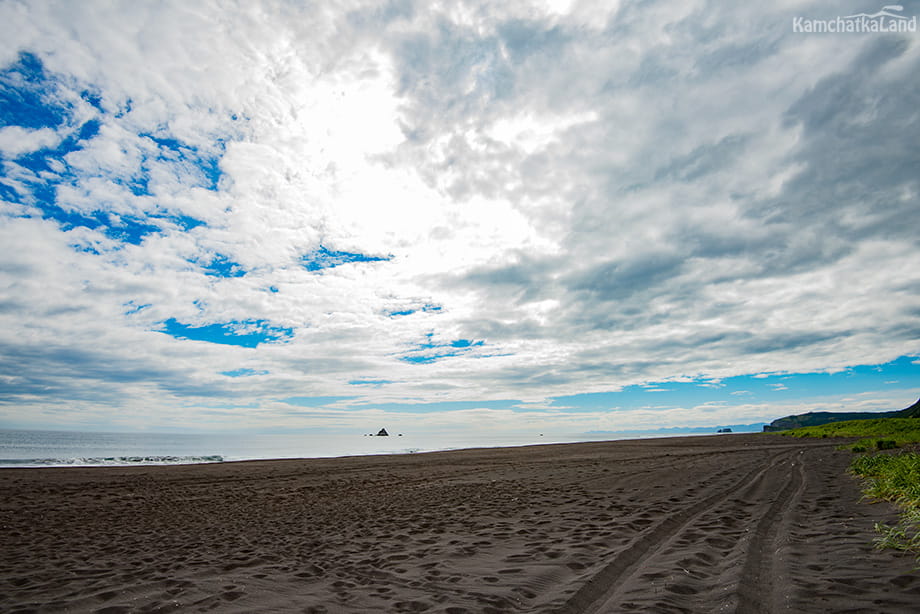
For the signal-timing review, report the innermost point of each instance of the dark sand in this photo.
(737, 523)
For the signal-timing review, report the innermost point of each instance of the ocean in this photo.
(22, 448)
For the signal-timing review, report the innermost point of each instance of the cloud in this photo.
(417, 204)
(16, 140)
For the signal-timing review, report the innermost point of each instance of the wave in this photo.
(108, 461)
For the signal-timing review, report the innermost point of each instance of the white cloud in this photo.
(16, 141)
(602, 195)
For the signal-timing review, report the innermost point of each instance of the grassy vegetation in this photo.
(889, 477)
(892, 477)
(876, 434)
(895, 478)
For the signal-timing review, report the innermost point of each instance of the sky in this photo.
(550, 216)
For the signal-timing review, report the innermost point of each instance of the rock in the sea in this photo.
(382, 433)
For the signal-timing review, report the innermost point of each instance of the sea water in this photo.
(22, 448)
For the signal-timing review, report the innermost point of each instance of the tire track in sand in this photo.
(603, 587)
(756, 592)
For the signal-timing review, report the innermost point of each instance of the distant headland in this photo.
(817, 418)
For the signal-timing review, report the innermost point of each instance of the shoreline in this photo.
(747, 523)
(157, 459)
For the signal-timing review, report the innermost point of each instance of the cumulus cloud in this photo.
(467, 202)
(16, 140)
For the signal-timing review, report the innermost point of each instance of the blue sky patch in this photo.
(314, 401)
(131, 307)
(124, 229)
(427, 308)
(243, 373)
(438, 406)
(93, 98)
(324, 258)
(187, 159)
(376, 383)
(424, 359)
(7, 193)
(185, 222)
(33, 98)
(244, 333)
(757, 388)
(127, 229)
(222, 266)
(25, 96)
(423, 353)
(89, 130)
(85, 248)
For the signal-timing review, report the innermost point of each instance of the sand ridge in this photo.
(738, 523)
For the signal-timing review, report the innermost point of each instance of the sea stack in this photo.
(382, 433)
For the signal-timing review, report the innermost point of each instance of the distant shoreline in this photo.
(107, 450)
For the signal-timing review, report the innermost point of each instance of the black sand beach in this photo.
(738, 523)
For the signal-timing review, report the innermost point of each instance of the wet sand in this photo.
(736, 523)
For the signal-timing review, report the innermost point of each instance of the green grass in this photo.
(887, 477)
(894, 478)
(869, 445)
(891, 477)
(877, 434)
